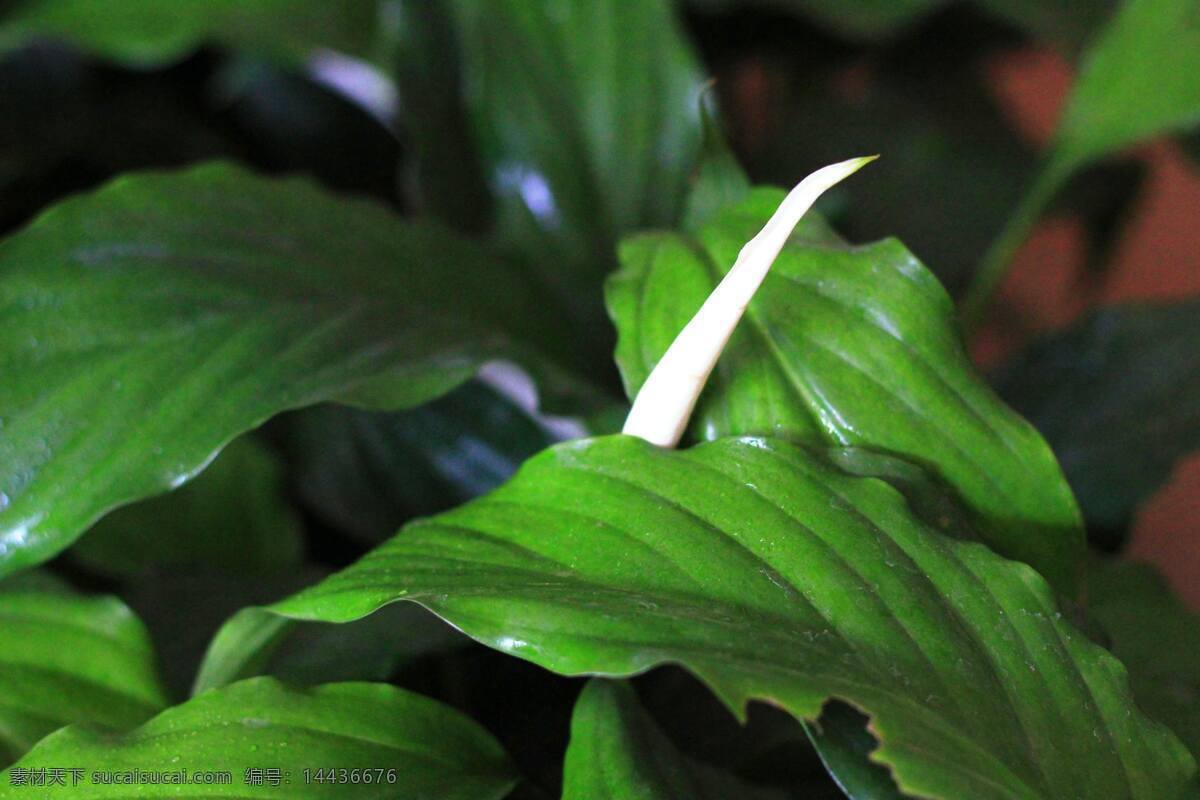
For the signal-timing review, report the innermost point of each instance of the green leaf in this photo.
(66, 658)
(1140, 78)
(617, 751)
(585, 117)
(1157, 637)
(1115, 397)
(443, 176)
(369, 472)
(232, 518)
(148, 32)
(150, 322)
(417, 747)
(772, 575)
(849, 346)
(845, 745)
(719, 180)
(259, 642)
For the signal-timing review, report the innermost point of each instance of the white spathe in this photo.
(664, 404)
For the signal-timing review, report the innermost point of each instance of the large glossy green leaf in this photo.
(149, 31)
(849, 345)
(233, 518)
(1116, 397)
(412, 746)
(65, 658)
(586, 119)
(772, 575)
(1140, 78)
(617, 751)
(148, 323)
(1157, 637)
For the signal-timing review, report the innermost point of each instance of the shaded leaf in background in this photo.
(289, 122)
(264, 643)
(617, 751)
(845, 745)
(1156, 637)
(1118, 398)
(1140, 78)
(368, 472)
(66, 658)
(233, 518)
(585, 117)
(444, 177)
(146, 32)
(150, 322)
(772, 575)
(433, 750)
(68, 123)
(849, 346)
(718, 179)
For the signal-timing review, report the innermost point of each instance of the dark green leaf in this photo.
(1157, 637)
(428, 749)
(1116, 397)
(845, 745)
(585, 117)
(772, 575)
(719, 180)
(65, 658)
(617, 751)
(1140, 78)
(232, 518)
(369, 472)
(850, 346)
(149, 32)
(152, 321)
(444, 176)
(263, 643)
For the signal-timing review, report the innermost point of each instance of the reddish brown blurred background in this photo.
(1158, 256)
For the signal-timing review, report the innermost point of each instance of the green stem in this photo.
(999, 255)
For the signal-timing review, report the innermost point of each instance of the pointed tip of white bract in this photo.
(664, 404)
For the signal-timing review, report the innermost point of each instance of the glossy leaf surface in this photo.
(773, 575)
(232, 518)
(65, 658)
(617, 751)
(148, 323)
(149, 32)
(850, 346)
(1116, 397)
(430, 749)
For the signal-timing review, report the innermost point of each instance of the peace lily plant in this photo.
(323, 484)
